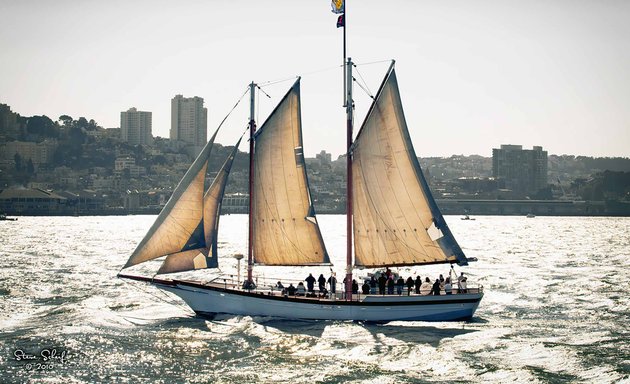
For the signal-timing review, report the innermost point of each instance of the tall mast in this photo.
(349, 104)
(349, 121)
(252, 130)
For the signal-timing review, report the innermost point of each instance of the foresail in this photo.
(179, 226)
(286, 231)
(396, 220)
(206, 257)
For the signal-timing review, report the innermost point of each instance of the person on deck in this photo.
(291, 290)
(279, 286)
(400, 283)
(436, 287)
(301, 291)
(418, 284)
(390, 285)
(448, 288)
(388, 272)
(463, 285)
(322, 282)
(373, 285)
(409, 285)
(332, 281)
(366, 288)
(459, 283)
(382, 281)
(310, 282)
(355, 287)
(425, 288)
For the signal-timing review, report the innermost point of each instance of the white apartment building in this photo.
(189, 120)
(135, 127)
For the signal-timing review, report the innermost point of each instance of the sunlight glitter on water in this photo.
(555, 310)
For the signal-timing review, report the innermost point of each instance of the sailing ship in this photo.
(392, 221)
(395, 222)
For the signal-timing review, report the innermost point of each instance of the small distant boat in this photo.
(3, 217)
(466, 217)
(530, 215)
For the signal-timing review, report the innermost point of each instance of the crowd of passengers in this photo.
(386, 284)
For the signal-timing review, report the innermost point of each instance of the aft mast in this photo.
(339, 6)
(252, 131)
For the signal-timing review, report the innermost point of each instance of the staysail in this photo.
(205, 257)
(179, 227)
(286, 231)
(396, 220)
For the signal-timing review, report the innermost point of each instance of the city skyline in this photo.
(472, 77)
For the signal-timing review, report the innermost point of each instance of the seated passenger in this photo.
(279, 286)
(248, 284)
(426, 287)
(301, 291)
(291, 290)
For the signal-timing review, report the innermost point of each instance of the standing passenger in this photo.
(382, 281)
(448, 288)
(310, 282)
(333, 283)
(400, 283)
(322, 282)
(409, 285)
(390, 285)
(418, 284)
(436, 287)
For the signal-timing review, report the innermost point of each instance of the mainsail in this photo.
(179, 227)
(396, 220)
(206, 257)
(286, 231)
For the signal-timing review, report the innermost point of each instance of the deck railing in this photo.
(268, 286)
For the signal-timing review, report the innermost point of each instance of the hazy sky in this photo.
(472, 74)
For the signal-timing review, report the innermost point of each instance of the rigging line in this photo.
(233, 108)
(364, 90)
(261, 90)
(172, 302)
(272, 82)
(364, 83)
(374, 62)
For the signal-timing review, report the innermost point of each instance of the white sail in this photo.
(285, 228)
(179, 226)
(396, 220)
(207, 256)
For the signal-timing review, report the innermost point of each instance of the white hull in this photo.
(208, 301)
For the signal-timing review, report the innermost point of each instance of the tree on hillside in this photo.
(65, 120)
(41, 127)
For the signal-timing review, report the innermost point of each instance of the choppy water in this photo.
(556, 310)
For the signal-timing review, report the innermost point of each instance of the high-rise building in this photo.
(522, 170)
(189, 120)
(135, 127)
